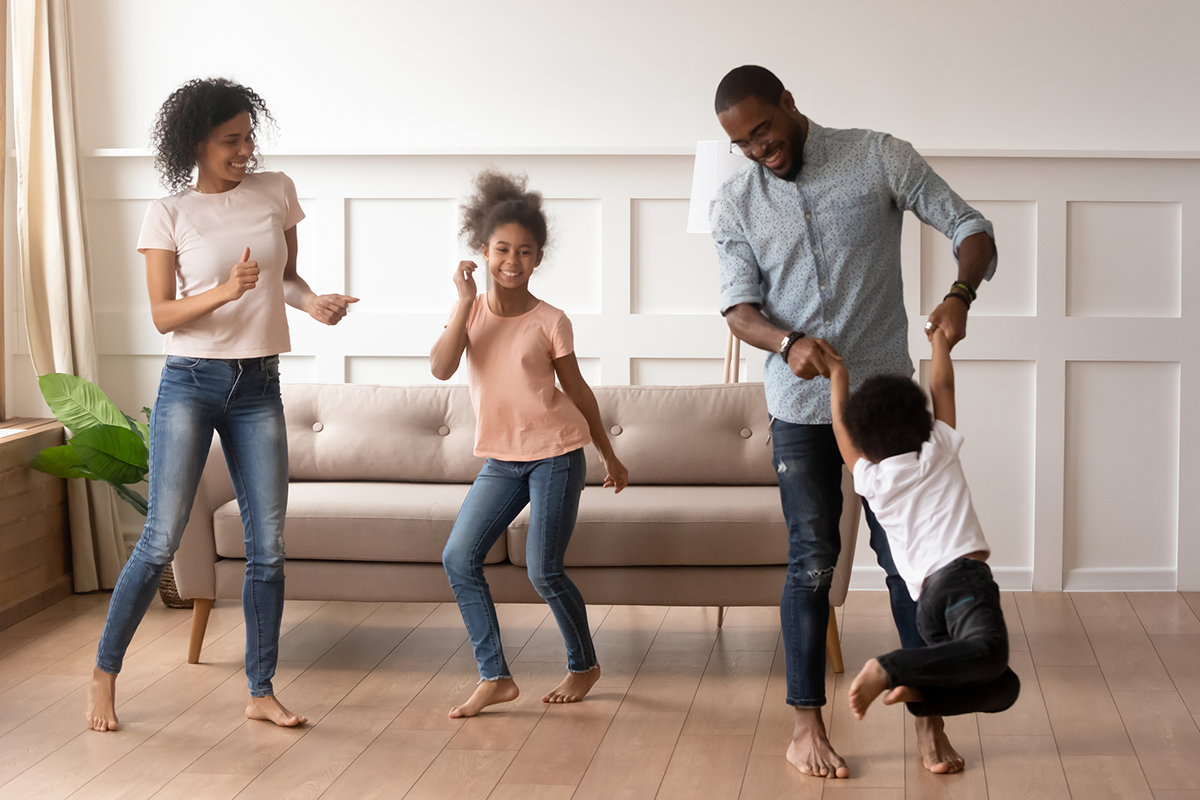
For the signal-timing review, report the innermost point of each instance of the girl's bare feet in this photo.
(487, 693)
(102, 701)
(937, 753)
(574, 687)
(270, 709)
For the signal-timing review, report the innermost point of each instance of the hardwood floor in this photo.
(1109, 708)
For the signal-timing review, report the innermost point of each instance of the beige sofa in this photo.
(377, 475)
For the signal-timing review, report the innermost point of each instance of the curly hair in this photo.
(748, 81)
(501, 199)
(887, 416)
(187, 118)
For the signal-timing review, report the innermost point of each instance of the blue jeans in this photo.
(551, 487)
(239, 399)
(808, 465)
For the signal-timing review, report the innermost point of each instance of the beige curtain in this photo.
(54, 270)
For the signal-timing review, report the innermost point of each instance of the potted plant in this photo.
(106, 444)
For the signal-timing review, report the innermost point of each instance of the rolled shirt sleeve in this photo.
(917, 188)
(741, 281)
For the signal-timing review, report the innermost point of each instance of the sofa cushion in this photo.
(671, 526)
(423, 434)
(346, 521)
(672, 435)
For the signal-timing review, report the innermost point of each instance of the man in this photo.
(808, 239)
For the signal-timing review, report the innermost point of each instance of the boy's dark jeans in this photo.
(964, 668)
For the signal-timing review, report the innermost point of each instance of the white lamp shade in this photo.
(714, 165)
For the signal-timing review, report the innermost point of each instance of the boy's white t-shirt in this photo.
(208, 234)
(923, 503)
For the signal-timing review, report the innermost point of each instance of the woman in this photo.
(229, 243)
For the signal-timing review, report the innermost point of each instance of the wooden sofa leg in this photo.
(199, 624)
(720, 616)
(833, 644)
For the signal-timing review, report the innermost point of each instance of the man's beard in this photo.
(797, 149)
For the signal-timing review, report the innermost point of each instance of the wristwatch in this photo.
(785, 346)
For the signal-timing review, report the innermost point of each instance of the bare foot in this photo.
(810, 751)
(574, 687)
(102, 701)
(936, 751)
(867, 685)
(487, 693)
(903, 694)
(270, 709)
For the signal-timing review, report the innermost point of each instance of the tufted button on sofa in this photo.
(377, 475)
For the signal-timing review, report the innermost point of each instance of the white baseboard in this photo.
(870, 578)
(1117, 579)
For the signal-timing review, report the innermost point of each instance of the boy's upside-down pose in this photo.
(906, 466)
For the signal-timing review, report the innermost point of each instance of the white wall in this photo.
(1077, 376)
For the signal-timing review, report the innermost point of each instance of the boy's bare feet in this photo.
(487, 693)
(903, 694)
(270, 709)
(810, 751)
(936, 752)
(574, 687)
(870, 682)
(101, 712)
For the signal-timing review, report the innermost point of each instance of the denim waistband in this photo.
(260, 362)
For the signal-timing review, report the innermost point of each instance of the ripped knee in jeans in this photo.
(820, 578)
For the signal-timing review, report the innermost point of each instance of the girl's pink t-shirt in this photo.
(520, 414)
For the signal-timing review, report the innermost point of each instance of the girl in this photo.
(230, 243)
(531, 433)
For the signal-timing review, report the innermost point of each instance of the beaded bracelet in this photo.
(960, 297)
(966, 287)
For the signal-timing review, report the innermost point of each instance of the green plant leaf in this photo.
(146, 411)
(113, 452)
(61, 462)
(140, 428)
(130, 496)
(78, 404)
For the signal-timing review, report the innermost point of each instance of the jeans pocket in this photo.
(182, 362)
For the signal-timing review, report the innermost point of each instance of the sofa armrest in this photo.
(195, 575)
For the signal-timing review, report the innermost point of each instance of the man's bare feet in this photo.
(936, 751)
(866, 686)
(574, 687)
(270, 709)
(487, 693)
(102, 701)
(810, 751)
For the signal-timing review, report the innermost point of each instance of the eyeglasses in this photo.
(763, 141)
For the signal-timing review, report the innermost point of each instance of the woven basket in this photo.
(169, 593)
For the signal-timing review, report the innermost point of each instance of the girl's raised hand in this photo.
(464, 280)
(617, 476)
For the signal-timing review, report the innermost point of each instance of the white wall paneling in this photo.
(1088, 328)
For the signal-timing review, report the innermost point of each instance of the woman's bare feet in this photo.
(487, 693)
(574, 687)
(810, 751)
(903, 694)
(870, 682)
(936, 752)
(270, 709)
(102, 701)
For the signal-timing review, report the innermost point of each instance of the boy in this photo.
(906, 466)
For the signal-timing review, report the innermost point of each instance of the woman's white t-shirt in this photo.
(923, 503)
(208, 234)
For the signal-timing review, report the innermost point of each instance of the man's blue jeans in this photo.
(551, 487)
(239, 399)
(808, 465)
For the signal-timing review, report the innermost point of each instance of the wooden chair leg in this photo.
(720, 616)
(833, 644)
(199, 624)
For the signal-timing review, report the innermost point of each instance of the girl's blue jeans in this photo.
(239, 399)
(551, 487)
